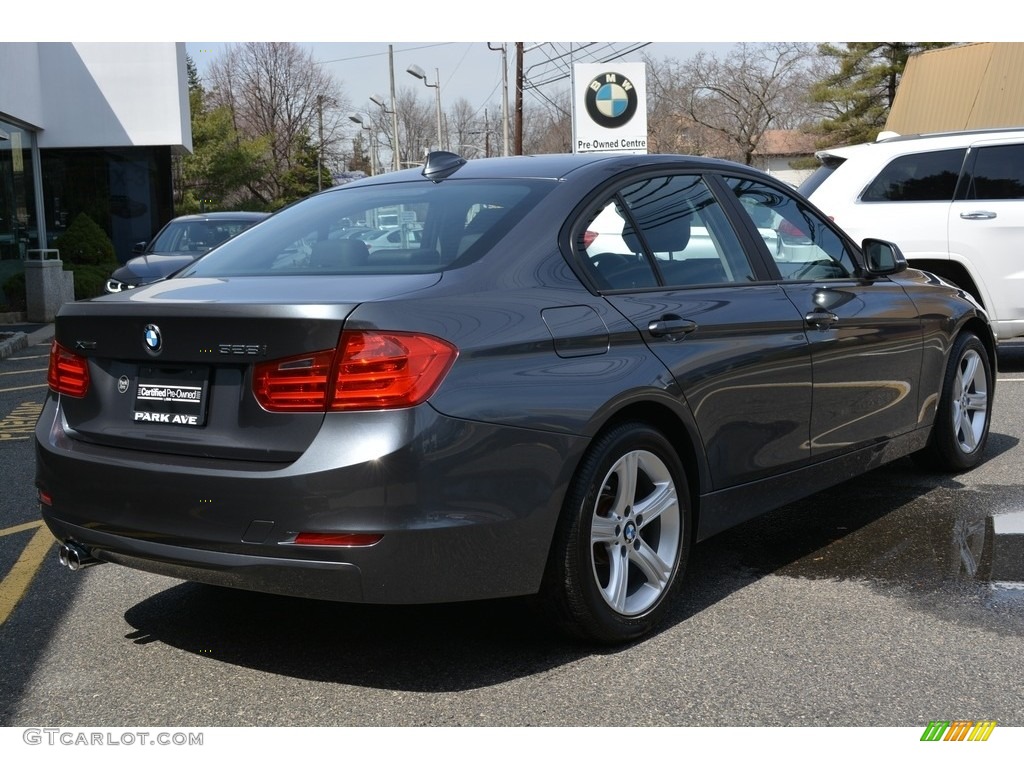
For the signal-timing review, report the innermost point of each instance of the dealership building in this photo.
(89, 128)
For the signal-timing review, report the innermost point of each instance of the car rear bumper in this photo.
(450, 528)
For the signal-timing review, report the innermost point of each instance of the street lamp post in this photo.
(418, 72)
(504, 91)
(373, 151)
(379, 101)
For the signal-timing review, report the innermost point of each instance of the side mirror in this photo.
(882, 258)
(139, 247)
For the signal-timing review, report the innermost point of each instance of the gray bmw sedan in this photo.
(564, 372)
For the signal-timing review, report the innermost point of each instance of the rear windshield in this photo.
(405, 228)
(828, 164)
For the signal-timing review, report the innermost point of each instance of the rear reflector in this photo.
(338, 539)
(45, 498)
(369, 370)
(68, 373)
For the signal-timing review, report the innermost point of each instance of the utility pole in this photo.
(320, 149)
(519, 99)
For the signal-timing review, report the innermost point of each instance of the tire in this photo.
(623, 539)
(964, 414)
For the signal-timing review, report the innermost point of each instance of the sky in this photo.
(354, 37)
(466, 69)
(359, 33)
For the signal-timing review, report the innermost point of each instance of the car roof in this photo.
(223, 216)
(896, 144)
(557, 166)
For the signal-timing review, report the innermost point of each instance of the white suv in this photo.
(953, 202)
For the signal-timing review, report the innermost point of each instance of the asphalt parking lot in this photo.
(886, 601)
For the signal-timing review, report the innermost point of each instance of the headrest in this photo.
(669, 236)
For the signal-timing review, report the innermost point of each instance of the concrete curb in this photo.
(12, 344)
(20, 341)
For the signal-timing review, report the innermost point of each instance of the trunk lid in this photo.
(171, 364)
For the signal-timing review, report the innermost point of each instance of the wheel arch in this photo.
(681, 431)
(954, 272)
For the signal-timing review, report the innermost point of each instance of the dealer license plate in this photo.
(171, 396)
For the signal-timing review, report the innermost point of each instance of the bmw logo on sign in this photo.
(154, 341)
(611, 100)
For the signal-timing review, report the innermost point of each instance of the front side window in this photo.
(922, 176)
(663, 231)
(799, 241)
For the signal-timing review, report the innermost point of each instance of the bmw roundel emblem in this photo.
(154, 341)
(611, 100)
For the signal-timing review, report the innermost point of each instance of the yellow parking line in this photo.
(16, 583)
(20, 528)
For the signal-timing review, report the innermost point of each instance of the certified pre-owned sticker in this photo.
(168, 396)
(178, 394)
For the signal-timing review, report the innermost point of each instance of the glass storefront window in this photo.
(18, 230)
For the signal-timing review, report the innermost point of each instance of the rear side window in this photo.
(663, 231)
(998, 173)
(923, 176)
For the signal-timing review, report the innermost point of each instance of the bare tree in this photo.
(548, 123)
(464, 129)
(752, 89)
(277, 92)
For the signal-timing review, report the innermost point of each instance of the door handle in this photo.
(977, 215)
(671, 327)
(821, 319)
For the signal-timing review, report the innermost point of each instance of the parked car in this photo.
(402, 237)
(953, 202)
(180, 242)
(510, 407)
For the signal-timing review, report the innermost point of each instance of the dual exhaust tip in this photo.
(76, 557)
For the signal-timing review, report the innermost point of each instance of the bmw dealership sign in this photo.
(610, 108)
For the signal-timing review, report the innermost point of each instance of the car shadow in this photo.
(464, 646)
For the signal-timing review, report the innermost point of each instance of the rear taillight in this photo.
(294, 384)
(68, 373)
(369, 370)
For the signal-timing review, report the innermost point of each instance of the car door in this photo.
(865, 335)
(986, 229)
(663, 253)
